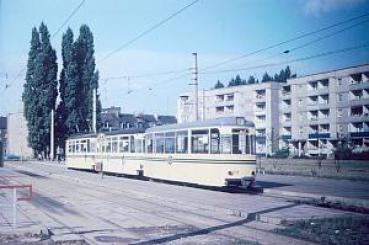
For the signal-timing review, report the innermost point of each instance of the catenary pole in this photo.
(52, 135)
(196, 84)
(94, 110)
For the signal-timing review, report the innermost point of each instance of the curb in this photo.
(323, 199)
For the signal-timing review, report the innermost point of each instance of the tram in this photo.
(218, 152)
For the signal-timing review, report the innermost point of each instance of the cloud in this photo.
(317, 7)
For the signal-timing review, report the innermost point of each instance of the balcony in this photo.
(359, 134)
(364, 100)
(286, 136)
(321, 90)
(359, 85)
(319, 135)
(260, 136)
(260, 98)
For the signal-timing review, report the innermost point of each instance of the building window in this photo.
(340, 97)
(339, 81)
(220, 108)
(339, 112)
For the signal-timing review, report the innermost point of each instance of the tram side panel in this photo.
(211, 170)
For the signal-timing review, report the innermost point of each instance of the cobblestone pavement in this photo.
(77, 205)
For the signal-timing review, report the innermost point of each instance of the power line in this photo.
(152, 28)
(145, 74)
(285, 42)
(327, 36)
(287, 51)
(68, 19)
(328, 53)
(21, 72)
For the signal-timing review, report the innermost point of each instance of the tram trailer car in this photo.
(218, 152)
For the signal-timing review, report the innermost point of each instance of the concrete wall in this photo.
(17, 136)
(345, 169)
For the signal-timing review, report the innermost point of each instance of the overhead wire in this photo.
(285, 42)
(287, 51)
(75, 10)
(328, 53)
(147, 31)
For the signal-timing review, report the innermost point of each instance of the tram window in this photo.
(253, 144)
(139, 145)
(181, 142)
(238, 142)
(77, 146)
(92, 146)
(123, 144)
(200, 141)
(73, 146)
(132, 144)
(103, 147)
(149, 143)
(83, 146)
(159, 143)
(115, 144)
(215, 141)
(170, 142)
(88, 145)
(108, 145)
(248, 148)
(225, 144)
(69, 146)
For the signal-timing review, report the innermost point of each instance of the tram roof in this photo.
(126, 131)
(114, 132)
(223, 121)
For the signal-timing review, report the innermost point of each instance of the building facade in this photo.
(256, 102)
(326, 108)
(308, 114)
(112, 119)
(17, 133)
(3, 133)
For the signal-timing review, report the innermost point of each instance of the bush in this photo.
(283, 153)
(343, 153)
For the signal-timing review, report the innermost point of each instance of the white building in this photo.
(255, 102)
(325, 108)
(308, 114)
(17, 133)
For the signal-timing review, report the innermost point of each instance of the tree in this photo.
(266, 78)
(88, 78)
(236, 81)
(251, 80)
(218, 85)
(67, 118)
(40, 91)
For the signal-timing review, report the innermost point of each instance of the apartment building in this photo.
(319, 110)
(258, 103)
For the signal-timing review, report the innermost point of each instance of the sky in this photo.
(217, 30)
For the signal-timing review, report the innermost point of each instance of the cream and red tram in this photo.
(218, 152)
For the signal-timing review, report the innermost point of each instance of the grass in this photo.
(345, 230)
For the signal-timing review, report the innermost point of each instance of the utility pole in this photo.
(196, 84)
(94, 110)
(52, 136)
(203, 104)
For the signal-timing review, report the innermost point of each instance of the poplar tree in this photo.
(68, 119)
(40, 90)
(88, 78)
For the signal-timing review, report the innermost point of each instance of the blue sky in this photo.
(216, 29)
